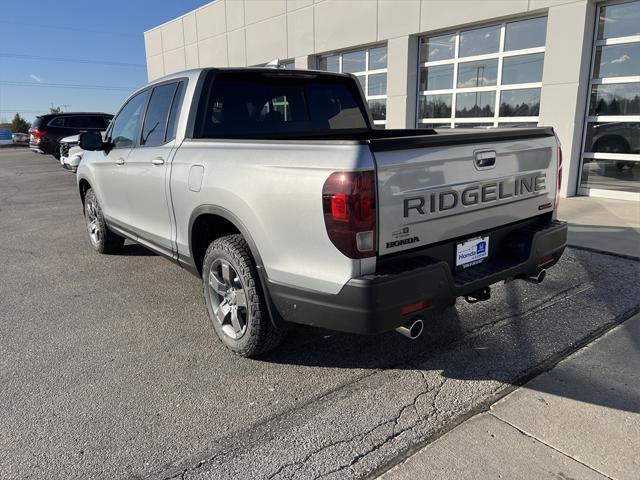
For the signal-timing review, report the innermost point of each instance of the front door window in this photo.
(126, 124)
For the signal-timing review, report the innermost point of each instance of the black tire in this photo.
(612, 144)
(102, 239)
(257, 334)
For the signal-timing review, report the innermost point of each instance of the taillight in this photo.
(37, 134)
(558, 177)
(349, 206)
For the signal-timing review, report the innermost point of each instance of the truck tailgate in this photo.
(433, 188)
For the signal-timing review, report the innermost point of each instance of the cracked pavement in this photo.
(110, 370)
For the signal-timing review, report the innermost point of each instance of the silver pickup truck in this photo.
(276, 190)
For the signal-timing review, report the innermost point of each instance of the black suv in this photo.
(47, 130)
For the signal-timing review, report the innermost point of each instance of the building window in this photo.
(287, 64)
(482, 77)
(370, 66)
(611, 153)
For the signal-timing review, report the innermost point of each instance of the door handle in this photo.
(485, 159)
(120, 161)
(158, 161)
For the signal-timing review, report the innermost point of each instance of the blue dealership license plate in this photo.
(471, 252)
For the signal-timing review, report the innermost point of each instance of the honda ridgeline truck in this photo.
(276, 190)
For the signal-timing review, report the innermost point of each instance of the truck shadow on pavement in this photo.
(131, 249)
(522, 331)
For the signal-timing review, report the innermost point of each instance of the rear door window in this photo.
(94, 122)
(57, 122)
(257, 105)
(155, 122)
(74, 122)
(175, 113)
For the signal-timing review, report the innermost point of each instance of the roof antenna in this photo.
(275, 63)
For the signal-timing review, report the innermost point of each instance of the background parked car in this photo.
(47, 130)
(5, 136)
(70, 153)
(20, 138)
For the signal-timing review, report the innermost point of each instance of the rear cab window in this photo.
(279, 105)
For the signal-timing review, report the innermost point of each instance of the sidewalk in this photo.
(603, 224)
(581, 420)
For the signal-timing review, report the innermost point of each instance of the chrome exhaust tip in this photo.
(537, 279)
(412, 329)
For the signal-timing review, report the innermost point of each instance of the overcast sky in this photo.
(98, 45)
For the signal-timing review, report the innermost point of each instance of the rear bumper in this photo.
(372, 304)
(46, 147)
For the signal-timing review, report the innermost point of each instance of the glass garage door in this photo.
(370, 66)
(611, 154)
(483, 77)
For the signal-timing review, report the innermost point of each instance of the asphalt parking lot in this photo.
(108, 367)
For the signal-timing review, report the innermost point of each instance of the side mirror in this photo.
(91, 141)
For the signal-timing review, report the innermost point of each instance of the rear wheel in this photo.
(235, 302)
(102, 239)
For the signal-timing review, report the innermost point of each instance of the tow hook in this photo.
(479, 295)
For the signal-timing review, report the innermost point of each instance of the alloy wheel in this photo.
(228, 298)
(93, 222)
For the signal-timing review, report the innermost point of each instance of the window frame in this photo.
(364, 73)
(456, 60)
(590, 119)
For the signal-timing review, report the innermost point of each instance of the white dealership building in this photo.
(570, 64)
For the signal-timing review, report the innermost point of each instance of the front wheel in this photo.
(102, 239)
(235, 301)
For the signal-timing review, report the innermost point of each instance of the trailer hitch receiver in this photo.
(479, 295)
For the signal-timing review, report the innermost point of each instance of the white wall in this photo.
(251, 32)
